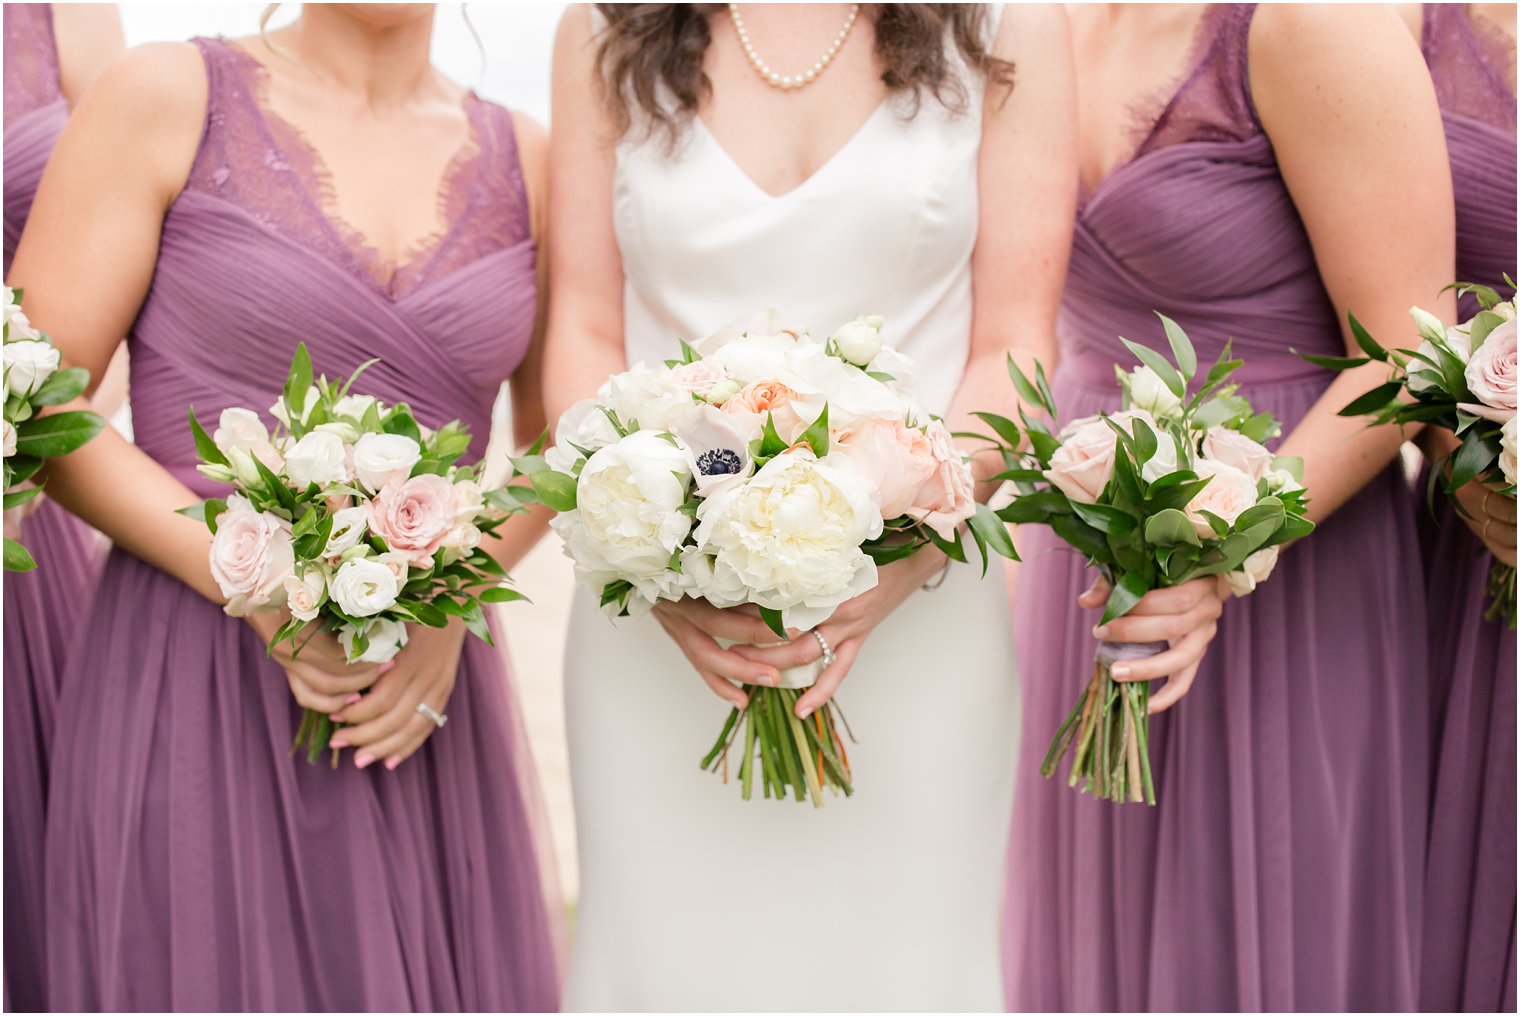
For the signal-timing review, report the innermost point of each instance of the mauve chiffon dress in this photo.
(1281, 868)
(193, 863)
(42, 608)
(1467, 956)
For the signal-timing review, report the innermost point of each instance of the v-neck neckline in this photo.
(823, 167)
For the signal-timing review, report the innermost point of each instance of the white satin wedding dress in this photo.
(691, 898)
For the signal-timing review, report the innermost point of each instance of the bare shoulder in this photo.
(532, 137)
(576, 31)
(1031, 28)
(88, 36)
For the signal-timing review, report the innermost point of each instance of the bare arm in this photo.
(1359, 141)
(94, 230)
(89, 37)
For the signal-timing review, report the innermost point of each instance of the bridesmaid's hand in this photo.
(320, 677)
(1187, 616)
(385, 721)
(696, 625)
(1491, 517)
(848, 627)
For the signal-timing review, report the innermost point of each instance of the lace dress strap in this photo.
(1472, 64)
(31, 59)
(1213, 100)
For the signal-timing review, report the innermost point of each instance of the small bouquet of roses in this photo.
(354, 517)
(1463, 380)
(32, 381)
(1176, 486)
(761, 467)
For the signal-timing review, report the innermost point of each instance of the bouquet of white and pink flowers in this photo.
(760, 467)
(1461, 379)
(352, 516)
(32, 381)
(1176, 486)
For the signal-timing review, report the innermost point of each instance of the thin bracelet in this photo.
(944, 573)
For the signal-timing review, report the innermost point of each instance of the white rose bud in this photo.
(278, 409)
(354, 405)
(28, 365)
(304, 595)
(19, 327)
(724, 390)
(1253, 571)
(317, 458)
(364, 587)
(1428, 324)
(9, 439)
(386, 639)
(1506, 310)
(242, 437)
(1148, 392)
(860, 340)
(380, 458)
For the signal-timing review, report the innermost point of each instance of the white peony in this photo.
(645, 398)
(1148, 392)
(790, 536)
(8, 435)
(1507, 450)
(381, 458)
(28, 364)
(386, 638)
(896, 366)
(1253, 571)
(747, 326)
(349, 526)
(583, 425)
(319, 457)
(627, 523)
(859, 341)
(364, 586)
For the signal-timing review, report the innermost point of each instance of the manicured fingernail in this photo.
(1100, 631)
(804, 712)
(392, 762)
(337, 742)
(352, 699)
(387, 666)
(1119, 671)
(363, 760)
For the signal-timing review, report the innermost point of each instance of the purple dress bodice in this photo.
(1471, 68)
(35, 111)
(251, 263)
(1149, 235)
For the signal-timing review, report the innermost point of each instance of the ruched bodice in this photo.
(35, 111)
(249, 266)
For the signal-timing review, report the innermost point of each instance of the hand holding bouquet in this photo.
(353, 517)
(32, 381)
(1176, 486)
(1460, 379)
(761, 467)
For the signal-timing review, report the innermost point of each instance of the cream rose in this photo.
(1507, 450)
(28, 364)
(948, 498)
(386, 638)
(8, 438)
(1229, 493)
(1084, 463)
(304, 594)
(791, 536)
(242, 437)
(363, 587)
(1253, 571)
(318, 458)
(1148, 392)
(381, 458)
(413, 516)
(859, 341)
(251, 557)
(1491, 369)
(1235, 449)
(900, 460)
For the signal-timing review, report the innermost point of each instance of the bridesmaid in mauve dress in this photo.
(1280, 869)
(193, 863)
(1467, 959)
(43, 607)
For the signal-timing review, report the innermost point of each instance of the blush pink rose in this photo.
(1491, 369)
(771, 397)
(897, 458)
(251, 557)
(1084, 463)
(699, 377)
(1228, 494)
(948, 497)
(1235, 449)
(413, 516)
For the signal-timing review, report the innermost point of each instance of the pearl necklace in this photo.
(786, 81)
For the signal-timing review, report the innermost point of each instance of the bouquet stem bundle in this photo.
(1108, 732)
(808, 756)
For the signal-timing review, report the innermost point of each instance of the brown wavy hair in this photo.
(649, 45)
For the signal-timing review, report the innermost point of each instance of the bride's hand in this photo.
(847, 628)
(385, 722)
(320, 677)
(695, 625)
(1186, 616)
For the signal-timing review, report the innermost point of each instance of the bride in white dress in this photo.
(900, 177)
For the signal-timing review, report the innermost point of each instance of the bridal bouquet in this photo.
(1175, 486)
(353, 517)
(1463, 380)
(760, 467)
(32, 381)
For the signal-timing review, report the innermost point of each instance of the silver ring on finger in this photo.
(439, 719)
(828, 653)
